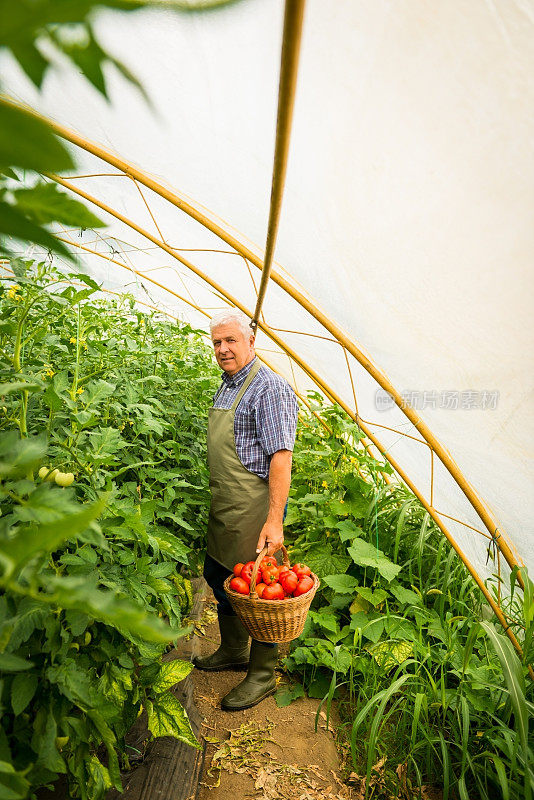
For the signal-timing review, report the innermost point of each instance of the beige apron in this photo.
(239, 498)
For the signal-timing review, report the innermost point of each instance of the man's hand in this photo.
(272, 532)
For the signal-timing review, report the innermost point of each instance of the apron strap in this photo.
(250, 376)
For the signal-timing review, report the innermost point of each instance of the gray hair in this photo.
(232, 315)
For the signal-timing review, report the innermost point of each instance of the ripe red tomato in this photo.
(268, 561)
(260, 588)
(304, 585)
(273, 592)
(300, 570)
(283, 569)
(270, 575)
(289, 582)
(237, 569)
(246, 572)
(239, 585)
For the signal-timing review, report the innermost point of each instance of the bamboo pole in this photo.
(293, 18)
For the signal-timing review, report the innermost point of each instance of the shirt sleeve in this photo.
(276, 418)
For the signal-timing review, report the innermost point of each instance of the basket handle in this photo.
(252, 591)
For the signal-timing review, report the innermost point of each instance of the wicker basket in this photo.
(271, 620)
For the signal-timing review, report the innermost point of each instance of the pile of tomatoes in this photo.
(276, 583)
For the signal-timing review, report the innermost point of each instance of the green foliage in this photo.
(396, 632)
(91, 575)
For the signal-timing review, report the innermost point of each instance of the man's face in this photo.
(232, 349)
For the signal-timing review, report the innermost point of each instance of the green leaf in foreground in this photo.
(128, 617)
(18, 456)
(33, 539)
(171, 673)
(14, 224)
(45, 203)
(28, 142)
(12, 663)
(167, 717)
(13, 784)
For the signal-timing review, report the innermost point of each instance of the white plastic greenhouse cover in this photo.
(407, 215)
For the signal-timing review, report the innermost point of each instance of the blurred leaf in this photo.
(14, 224)
(12, 663)
(34, 539)
(125, 615)
(18, 456)
(9, 173)
(45, 203)
(31, 60)
(25, 140)
(86, 54)
(13, 784)
(17, 386)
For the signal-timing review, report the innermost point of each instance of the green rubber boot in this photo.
(232, 652)
(260, 681)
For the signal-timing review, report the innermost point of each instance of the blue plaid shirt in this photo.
(265, 419)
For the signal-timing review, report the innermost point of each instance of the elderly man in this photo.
(251, 433)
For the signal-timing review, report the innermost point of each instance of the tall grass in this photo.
(431, 685)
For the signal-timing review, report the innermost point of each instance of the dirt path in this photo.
(265, 752)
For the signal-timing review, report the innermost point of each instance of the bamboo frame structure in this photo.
(327, 390)
(138, 175)
(337, 333)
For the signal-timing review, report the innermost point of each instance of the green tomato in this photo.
(64, 478)
(48, 474)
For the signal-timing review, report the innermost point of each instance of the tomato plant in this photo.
(101, 523)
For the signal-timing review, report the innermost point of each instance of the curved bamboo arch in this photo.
(337, 333)
(330, 394)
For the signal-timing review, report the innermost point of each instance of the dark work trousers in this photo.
(215, 575)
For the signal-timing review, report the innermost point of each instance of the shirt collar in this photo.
(239, 378)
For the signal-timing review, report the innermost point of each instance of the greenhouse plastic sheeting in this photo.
(407, 215)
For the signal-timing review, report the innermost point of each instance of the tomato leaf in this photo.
(171, 673)
(167, 717)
